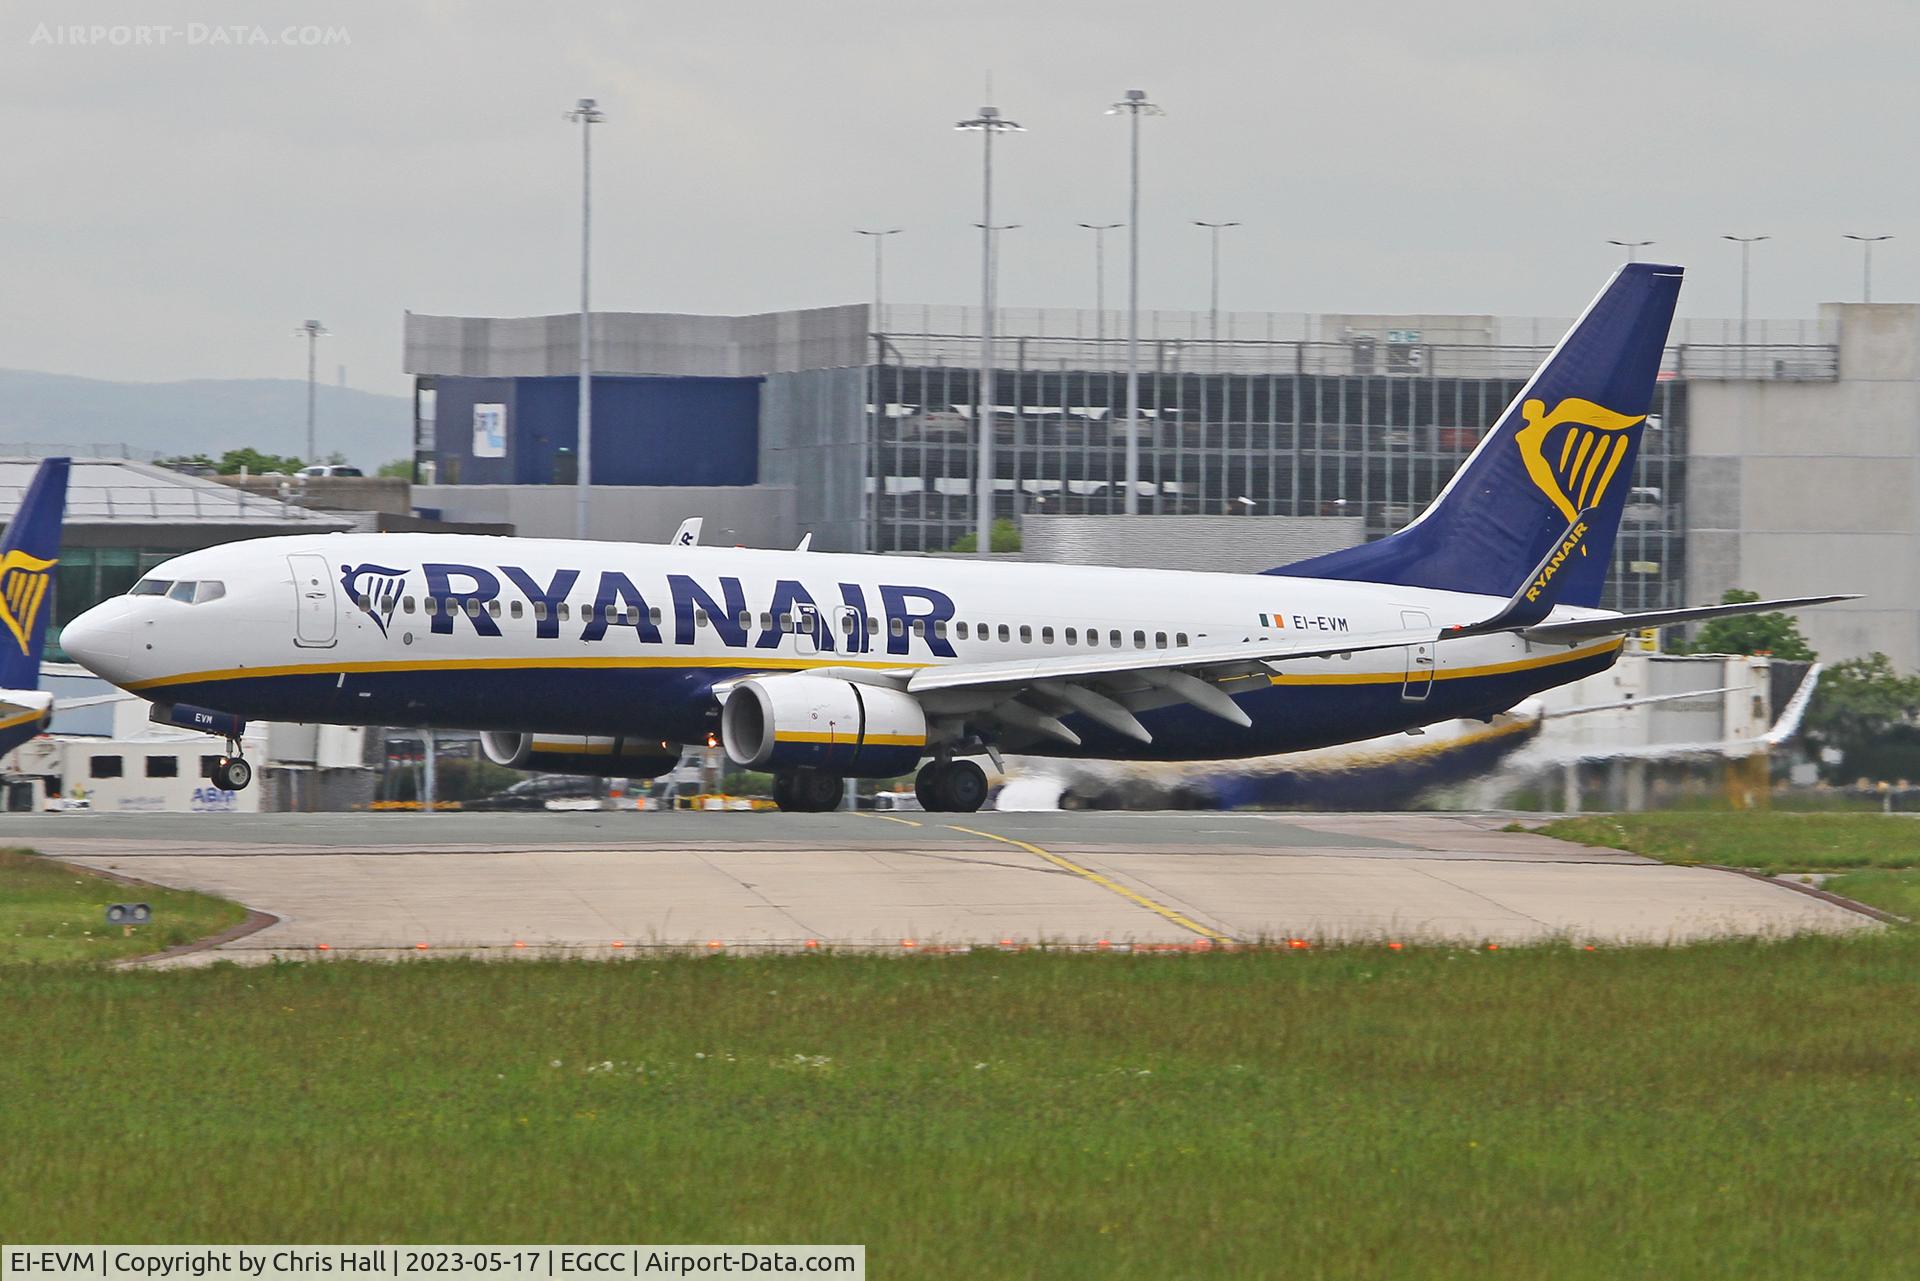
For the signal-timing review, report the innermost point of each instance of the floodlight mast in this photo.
(586, 113)
(312, 331)
(1100, 230)
(989, 122)
(1746, 244)
(1866, 268)
(1213, 333)
(1136, 105)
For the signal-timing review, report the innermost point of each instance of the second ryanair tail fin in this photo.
(1532, 513)
(28, 553)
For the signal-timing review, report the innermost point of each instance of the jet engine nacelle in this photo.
(572, 754)
(817, 722)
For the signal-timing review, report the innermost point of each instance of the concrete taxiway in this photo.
(597, 883)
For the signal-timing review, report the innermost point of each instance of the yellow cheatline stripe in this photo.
(752, 664)
(1105, 883)
(1458, 673)
(872, 740)
(21, 719)
(739, 662)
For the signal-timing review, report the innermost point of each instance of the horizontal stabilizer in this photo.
(1618, 624)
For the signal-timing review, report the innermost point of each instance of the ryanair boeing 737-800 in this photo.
(607, 657)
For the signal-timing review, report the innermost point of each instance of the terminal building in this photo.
(1783, 456)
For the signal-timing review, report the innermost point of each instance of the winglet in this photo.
(688, 535)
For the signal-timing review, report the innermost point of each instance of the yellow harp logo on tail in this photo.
(23, 589)
(1574, 471)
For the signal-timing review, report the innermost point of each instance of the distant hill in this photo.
(203, 416)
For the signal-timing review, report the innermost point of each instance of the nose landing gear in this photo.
(232, 773)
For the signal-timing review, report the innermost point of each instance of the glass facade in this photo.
(1305, 442)
(86, 576)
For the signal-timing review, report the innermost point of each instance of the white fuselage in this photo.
(572, 637)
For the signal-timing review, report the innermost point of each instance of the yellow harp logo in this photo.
(1574, 471)
(23, 589)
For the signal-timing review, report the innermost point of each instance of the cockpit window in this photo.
(185, 591)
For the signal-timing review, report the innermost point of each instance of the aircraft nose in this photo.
(98, 638)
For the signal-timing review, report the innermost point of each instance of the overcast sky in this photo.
(173, 210)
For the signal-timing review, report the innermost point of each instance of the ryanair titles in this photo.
(906, 614)
(1559, 558)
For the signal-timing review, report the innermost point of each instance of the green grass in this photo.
(1742, 1109)
(1894, 891)
(1766, 840)
(51, 913)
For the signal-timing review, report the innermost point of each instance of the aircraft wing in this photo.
(1107, 688)
(93, 700)
(1617, 624)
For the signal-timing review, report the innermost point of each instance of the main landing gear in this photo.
(231, 773)
(807, 791)
(954, 787)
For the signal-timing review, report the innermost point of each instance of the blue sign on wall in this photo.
(646, 431)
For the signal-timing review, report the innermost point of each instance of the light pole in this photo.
(586, 113)
(313, 331)
(1631, 246)
(1135, 105)
(1746, 244)
(989, 122)
(1100, 230)
(1866, 268)
(1213, 307)
(879, 238)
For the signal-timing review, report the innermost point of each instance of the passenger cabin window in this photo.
(586, 612)
(473, 607)
(653, 616)
(920, 628)
(151, 587)
(1113, 639)
(961, 631)
(699, 618)
(766, 622)
(1073, 636)
(514, 609)
(540, 610)
(563, 611)
(1139, 640)
(1026, 634)
(1159, 640)
(430, 606)
(406, 605)
(896, 627)
(746, 620)
(940, 629)
(1046, 635)
(1180, 638)
(493, 608)
(163, 767)
(1005, 634)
